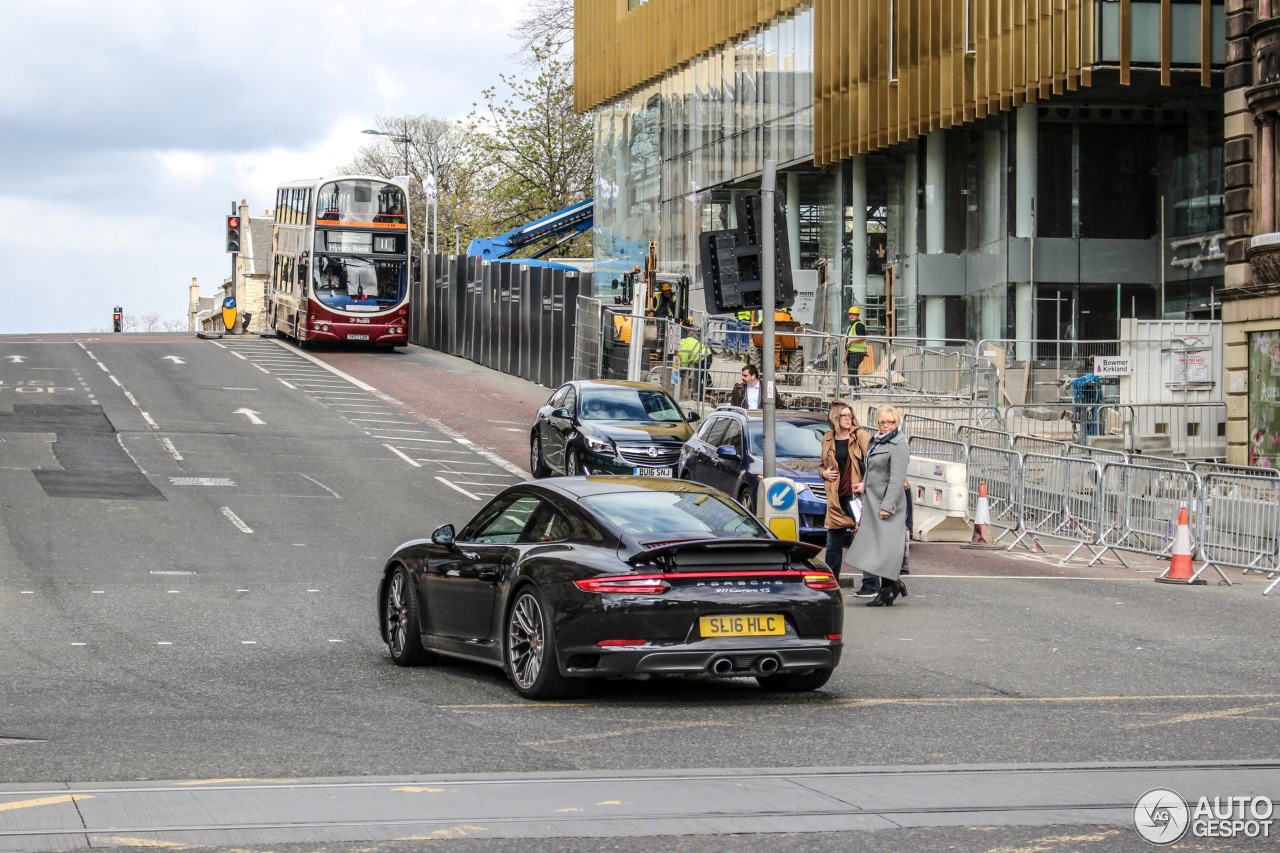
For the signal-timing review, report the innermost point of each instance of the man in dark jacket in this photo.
(748, 393)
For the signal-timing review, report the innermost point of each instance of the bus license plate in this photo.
(651, 472)
(357, 337)
(759, 625)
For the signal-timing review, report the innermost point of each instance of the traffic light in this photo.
(732, 259)
(117, 319)
(233, 233)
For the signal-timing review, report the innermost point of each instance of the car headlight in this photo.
(598, 445)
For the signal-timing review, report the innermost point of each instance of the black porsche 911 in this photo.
(562, 580)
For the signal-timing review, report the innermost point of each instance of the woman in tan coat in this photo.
(843, 449)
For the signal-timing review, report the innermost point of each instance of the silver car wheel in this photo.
(526, 640)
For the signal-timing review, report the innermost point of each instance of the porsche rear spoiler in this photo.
(747, 553)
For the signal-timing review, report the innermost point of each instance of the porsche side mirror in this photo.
(443, 535)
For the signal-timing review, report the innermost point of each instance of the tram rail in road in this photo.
(592, 805)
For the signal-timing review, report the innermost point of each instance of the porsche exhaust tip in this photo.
(721, 666)
(767, 665)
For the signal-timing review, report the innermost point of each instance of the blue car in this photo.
(727, 453)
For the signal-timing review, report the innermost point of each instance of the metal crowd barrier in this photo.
(1059, 500)
(922, 425)
(1001, 470)
(986, 437)
(1241, 525)
(942, 449)
(1140, 506)
(1046, 446)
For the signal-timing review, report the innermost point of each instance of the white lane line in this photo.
(318, 363)
(244, 528)
(286, 384)
(482, 474)
(321, 485)
(146, 417)
(416, 429)
(456, 462)
(263, 369)
(458, 488)
(238, 355)
(404, 438)
(378, 421)
(402, 456)
(173, 451)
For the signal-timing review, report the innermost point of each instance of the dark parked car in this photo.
(561, 580)
(727, 452)
(608, 427)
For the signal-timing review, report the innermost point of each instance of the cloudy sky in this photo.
(128, 127)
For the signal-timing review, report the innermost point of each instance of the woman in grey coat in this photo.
(881, 543)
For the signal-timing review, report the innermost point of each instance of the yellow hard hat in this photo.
(854, 309)
(666, 285)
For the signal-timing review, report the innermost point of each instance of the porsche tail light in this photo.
(835, 637)
(612, 643)
(821, 580)
(631, 585)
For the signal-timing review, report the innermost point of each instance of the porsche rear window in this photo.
(675, 512)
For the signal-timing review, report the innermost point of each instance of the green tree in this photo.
(536, 151)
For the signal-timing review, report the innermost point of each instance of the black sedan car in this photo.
(608, 427)
(562, 580)
(727, 452)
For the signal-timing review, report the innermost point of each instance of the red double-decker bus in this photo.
(342, 259)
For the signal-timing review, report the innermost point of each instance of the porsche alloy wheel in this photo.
(402, 624)
(531, 649)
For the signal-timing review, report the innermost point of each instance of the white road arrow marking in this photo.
(17, 359)
(174, 359)
(251, 415)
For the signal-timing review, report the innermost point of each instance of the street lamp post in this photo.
(402, 138)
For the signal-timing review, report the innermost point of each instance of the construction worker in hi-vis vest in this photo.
(855, 343)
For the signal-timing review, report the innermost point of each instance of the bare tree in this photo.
(434, 147)
(549, 22)
(150, 322)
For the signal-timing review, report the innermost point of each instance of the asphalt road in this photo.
(190, 537)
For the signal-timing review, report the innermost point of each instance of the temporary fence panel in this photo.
(1140, 506)
(1060, 500)
(942, 449)
(972, 435)
(588, 340)
(1195, 430)
(1034, 371)
(1051, 421)
(1179, 357)
(1001, 470)
(1241, 525)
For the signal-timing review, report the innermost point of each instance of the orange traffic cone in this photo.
(982, 521)
(1179, 570)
